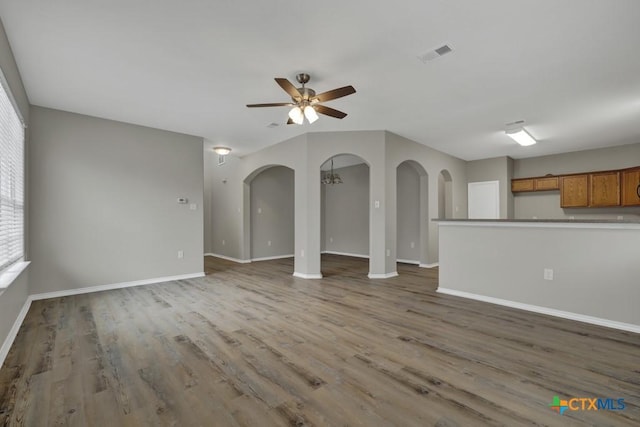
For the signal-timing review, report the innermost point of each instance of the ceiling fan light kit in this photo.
(296, 115)
(305, 102)
(223, 151)
(310, 113)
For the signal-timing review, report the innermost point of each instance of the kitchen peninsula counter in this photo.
(587, 270)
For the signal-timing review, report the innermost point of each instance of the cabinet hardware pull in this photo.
(638, 190)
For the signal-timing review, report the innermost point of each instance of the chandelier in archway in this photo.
(331, 177)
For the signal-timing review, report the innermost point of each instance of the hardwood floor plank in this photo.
(251, 345)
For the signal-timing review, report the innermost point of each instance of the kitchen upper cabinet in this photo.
(544, 183)
(574, 191)
(547, 183)
(518, 185)
(630, 181)
(588, 190)
(605, 189)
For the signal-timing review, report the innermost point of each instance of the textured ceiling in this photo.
(569, 68)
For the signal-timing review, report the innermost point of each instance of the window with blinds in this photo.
(11, 182)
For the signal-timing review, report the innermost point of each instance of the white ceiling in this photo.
(570, 69)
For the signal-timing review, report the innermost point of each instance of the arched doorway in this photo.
(344, 214)
(412, 216)
(270, 205)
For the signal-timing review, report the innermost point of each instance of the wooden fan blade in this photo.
(330, 111)
(289, 88)
(273, 104)
(334, 94)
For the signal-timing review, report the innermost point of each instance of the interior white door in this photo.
(484, 200)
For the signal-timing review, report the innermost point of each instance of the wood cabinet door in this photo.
(518, 185)
(605, 189)
(574, 191)
(547, 183)
(631, 187)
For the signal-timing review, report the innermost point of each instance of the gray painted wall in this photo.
(224, 188)
(272, 213)
(103, 202)
(370, 146)
(442, 202)
(346, 212)
(12, 299)
(408, 216)
(596, 270)
(400, 149)
(547, 204)
(495, 169)
(209, 160)
(382, 151)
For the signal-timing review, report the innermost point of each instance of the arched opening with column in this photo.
(445, 195)
(412, 213)
(269, 214)
(344, 213)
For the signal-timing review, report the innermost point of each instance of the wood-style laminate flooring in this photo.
(250, 345)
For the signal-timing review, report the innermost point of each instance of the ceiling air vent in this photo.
(435, 53)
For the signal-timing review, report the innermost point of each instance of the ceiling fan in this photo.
(305, 102)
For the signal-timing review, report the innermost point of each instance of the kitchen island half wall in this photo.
(582, 270)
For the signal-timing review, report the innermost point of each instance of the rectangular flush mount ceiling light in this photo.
(519, 134)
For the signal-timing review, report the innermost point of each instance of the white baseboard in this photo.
(228, 258)
(269, 258)
(345, 254)
(8, 341)
(544, 310)
(89, 289)
(433, 265)
(307, 276)
(408, 261)
(382, 275)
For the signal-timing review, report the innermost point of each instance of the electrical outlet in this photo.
(376, 204)
(548, 274)
(259, 210)
(268, 242)
(224, 242)
(413, 245)
(302, 253)
(572, 217)
(193, 206)
(180, 254)
(388, 252)
(330, 239)
(620, 217)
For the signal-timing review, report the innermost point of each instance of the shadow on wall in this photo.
(445, 195)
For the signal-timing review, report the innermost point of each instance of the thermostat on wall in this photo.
(182, 200)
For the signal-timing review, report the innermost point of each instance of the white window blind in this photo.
(11, 182)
